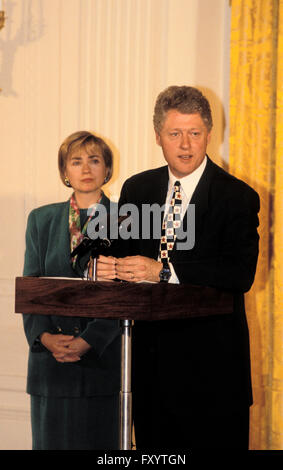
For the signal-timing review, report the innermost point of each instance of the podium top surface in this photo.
(118, 300)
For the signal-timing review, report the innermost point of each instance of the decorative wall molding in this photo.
(7, 287)
(14, 402)
(14, 413)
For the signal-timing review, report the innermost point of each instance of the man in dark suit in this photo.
(191, 378)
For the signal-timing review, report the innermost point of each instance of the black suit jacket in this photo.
(202, 361)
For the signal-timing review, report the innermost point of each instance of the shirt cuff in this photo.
(173, 279)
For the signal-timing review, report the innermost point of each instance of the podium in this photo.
(125, 301)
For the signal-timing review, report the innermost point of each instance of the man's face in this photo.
(183, 138)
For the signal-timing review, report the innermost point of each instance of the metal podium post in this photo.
(126, 392)
(125, 402)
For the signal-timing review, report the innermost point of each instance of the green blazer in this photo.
(98, 371)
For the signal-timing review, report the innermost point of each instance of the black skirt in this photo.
(84, 423)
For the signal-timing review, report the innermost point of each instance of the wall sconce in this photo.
(2, 19)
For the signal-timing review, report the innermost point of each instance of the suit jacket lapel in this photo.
(159, 190)
(59, 242)
(200, 194)
(200, 199)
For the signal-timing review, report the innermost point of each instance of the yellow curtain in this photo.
(256, 156)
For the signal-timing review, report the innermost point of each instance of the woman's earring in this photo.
(67, 182)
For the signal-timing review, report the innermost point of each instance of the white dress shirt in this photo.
(188, 185)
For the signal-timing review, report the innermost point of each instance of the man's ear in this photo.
(157, 138)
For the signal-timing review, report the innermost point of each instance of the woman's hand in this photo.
(65, 348)
(77, 348)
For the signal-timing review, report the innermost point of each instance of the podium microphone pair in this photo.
(96, 246)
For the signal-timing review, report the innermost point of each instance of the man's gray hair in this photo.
(186, 100)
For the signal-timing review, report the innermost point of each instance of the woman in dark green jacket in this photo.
(74, 363)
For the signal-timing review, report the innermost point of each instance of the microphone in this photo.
(90, 244)
(97, 245)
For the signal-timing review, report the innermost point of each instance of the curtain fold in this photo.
(256, 156)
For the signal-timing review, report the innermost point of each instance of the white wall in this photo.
(67, 65)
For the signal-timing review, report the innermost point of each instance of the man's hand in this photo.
(132, 268)
(105, 268)
(138, 268)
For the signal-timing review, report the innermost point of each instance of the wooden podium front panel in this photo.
(66, 297)
(123, 300)
(181, 301)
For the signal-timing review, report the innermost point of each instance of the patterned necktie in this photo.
(171, 222)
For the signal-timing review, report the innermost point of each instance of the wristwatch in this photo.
(165, 272)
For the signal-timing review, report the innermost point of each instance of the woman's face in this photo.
(86, 171)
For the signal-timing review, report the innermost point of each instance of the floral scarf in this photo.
(76, 233)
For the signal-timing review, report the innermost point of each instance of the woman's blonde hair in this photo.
(84, 140)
